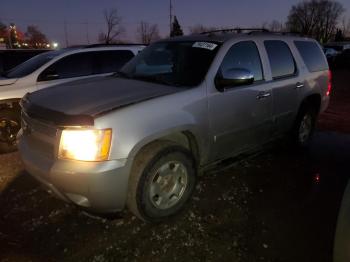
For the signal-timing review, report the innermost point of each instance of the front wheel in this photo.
(162, 181)
(10, 124)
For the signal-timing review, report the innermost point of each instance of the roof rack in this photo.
(237, 30)
(111, 45)
(287, 33)
(251, 31)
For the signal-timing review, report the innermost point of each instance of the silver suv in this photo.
(139, 138)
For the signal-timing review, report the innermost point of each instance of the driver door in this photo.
(240, 116)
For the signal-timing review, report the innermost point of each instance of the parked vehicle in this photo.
(138, 138)
(52, 68)
(343, 59)
(13, 57)
(331, 55)
(339, 60)
(338, 46)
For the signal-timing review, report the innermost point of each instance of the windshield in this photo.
(172, 63)
(31, 65)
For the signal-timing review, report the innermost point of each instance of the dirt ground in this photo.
(269, 207)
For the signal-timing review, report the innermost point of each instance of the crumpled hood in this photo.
(91, 97)
(7, 81)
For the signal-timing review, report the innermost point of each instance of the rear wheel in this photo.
(10, 124)
(162, 181)
(304, 127)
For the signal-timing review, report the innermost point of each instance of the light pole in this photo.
(170, 16)
(65, 33)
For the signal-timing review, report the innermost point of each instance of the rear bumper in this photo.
(96, 186)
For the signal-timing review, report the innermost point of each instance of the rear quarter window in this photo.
(111, 61)
(312, 55)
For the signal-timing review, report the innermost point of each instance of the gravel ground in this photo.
(337, 116)
(268, 207)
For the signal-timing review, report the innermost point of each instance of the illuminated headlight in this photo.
(85, 144)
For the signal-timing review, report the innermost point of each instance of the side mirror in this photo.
(48, 75)
(233, 77)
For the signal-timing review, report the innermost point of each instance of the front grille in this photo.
(37, 126)
(41, 146)
(40, 136)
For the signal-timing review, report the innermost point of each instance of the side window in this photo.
(244, 55)
(312, 55)
(281, 59)
(111, 61)
(75, 65)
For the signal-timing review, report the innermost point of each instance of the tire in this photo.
(304, 127)
(161, 181)
(10, 124)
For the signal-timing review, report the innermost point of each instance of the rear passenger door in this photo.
(240, 116)
(285, 84)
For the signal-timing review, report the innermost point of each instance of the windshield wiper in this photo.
(156, 79)
(121, 74)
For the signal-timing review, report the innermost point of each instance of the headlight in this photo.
(85, 144)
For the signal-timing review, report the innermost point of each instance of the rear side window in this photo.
(281, 59)
(312, 55)
(244, 55)
(111, 61)
(75, 65)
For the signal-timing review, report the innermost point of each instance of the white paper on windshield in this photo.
(205, 45)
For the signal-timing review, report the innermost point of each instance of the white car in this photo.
(53, 68)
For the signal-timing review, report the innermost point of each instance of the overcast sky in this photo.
(84, 18)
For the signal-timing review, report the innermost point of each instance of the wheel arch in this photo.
(313, 100)
(184, 138)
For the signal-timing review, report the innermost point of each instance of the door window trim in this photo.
(288, 76)
(256, 82)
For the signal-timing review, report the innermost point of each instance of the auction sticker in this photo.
(205, 45)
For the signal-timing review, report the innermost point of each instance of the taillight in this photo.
(329, 86)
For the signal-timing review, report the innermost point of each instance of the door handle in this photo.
(299, 85)
(263, 95)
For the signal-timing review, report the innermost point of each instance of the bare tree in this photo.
(345, 26)
(315, 18)
(35, 38)
(147, 33)
(199, 28)
(276, 26)
(114, 26)
(265, 25)
(3, 29)
(4, 39)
